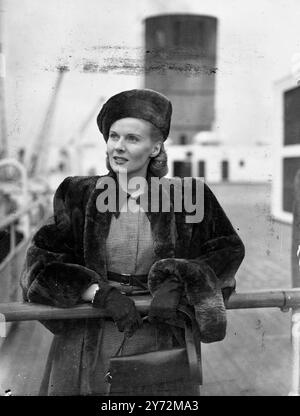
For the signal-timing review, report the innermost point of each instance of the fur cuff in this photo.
(61, 284)
(201, 288)
(198, 280)
(210, 315)
(162, 271)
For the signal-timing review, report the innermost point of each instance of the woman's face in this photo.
(130, 146)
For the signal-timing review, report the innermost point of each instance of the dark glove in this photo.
(120, 307)
(165, 301)
(166, 286)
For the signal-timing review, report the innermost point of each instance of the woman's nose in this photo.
(120, 145)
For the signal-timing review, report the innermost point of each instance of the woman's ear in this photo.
(156, 149)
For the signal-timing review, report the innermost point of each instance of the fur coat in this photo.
(68, 254)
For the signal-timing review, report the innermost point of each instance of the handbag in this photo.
(150, 368)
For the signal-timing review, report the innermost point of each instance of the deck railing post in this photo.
(295, 391)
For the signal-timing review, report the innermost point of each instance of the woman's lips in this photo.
(120, 160)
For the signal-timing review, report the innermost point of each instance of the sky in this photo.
(257, 40)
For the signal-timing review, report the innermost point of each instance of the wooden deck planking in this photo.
(259, 355)
(23, 357)
(253, 353)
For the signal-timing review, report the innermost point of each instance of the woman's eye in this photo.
(113, 136)
(132, 138)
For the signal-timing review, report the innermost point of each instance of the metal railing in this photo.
(34, 213)
(25, 221)
(284, 299)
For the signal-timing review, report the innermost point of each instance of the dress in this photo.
(70, 253)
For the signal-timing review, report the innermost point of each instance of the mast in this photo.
(38, 160)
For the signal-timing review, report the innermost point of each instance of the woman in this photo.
(89, 254)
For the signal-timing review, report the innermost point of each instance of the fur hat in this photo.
(146, 104)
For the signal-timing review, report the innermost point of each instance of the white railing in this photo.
(13, 251)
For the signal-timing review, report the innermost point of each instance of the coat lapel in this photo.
(163, 234)
(163, 226)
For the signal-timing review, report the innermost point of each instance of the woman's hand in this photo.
(166, 287)
(120, 307)
(165, 301)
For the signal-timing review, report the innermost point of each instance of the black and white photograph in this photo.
(150, 200)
